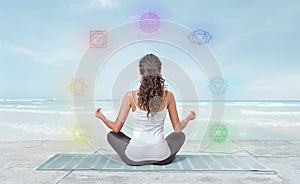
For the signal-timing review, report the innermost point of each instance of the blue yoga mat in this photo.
(211, 162)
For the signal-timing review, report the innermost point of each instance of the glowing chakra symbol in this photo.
(81, 133)
(218, 133)
(217, 85)
(149, 22)
(77, 87)
(98, 39)
(199, 37)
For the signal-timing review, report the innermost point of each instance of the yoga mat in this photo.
(212, 162)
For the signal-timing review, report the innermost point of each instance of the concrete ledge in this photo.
(18, 161)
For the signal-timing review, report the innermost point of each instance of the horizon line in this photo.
(179, 100)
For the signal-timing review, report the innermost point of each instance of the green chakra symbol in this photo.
(218, 133)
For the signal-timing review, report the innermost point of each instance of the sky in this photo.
(256, 43)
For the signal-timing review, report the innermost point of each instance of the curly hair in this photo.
(152, 86)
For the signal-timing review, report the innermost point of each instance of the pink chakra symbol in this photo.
(199, 37)
(149, 22)
(98, 39)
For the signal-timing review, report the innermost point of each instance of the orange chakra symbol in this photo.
(77, 87)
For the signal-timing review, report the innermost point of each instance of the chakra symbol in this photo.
(149, 22)
(81, 133)
(98, 39)
(77, 87)
(217, 85)
(199, 37)
(218, 133)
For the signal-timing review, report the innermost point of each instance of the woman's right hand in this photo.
(99, 114)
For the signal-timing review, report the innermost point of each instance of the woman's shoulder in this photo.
(169, 96)
(129, 93)
(168, 93)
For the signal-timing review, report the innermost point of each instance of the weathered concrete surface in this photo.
(168, 177)
(282, 156)
(19, 160)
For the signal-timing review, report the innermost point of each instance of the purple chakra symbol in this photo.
(199, 37)
(149, 22)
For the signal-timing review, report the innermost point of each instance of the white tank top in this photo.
(148, 142)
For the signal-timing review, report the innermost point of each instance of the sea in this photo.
(41, 119)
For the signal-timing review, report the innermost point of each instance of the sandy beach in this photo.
(19, 160)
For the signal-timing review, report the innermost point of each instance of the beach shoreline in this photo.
(19, 160)
(32, 133)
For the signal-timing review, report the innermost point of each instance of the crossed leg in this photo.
(119, 142)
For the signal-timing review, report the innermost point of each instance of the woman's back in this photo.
(145, 127)
(148, 141)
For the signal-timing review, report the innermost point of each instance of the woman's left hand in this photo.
(99, 114)
(191, 116)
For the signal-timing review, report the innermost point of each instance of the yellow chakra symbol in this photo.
(77, 87)
(81, 133)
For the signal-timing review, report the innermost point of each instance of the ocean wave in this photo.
(278, 105)
(7, 106)
(260, 104)
(37, 111)
(253, 112)
(180, 103)
(39, 100)
(35, 100)
(18, 100)
(266, 104)
(29, 106)
(42, 128)
(78, 107)
(62, 112)
(280, 124)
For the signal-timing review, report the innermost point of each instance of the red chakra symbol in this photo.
(98, 39)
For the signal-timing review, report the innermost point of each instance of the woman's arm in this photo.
(116, 125)
(176, 123)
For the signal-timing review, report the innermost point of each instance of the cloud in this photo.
(48, 56)
(135, 17)
(104, 3)
(58, 56)
(280, 80)
(19, 49)
(93, 4)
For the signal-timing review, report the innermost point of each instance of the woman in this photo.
(149, 105)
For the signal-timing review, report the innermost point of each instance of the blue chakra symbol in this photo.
(217, 85)
(199, 37)
(149, 22)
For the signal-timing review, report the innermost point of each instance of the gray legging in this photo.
(119, 142)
